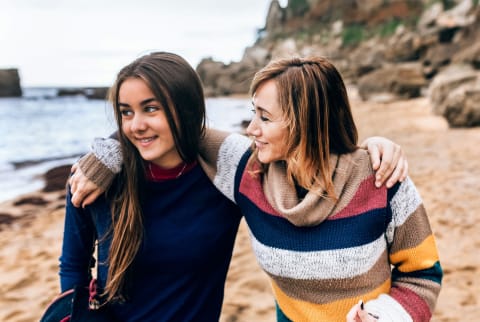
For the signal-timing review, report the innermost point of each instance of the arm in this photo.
(220, 154)
(99, 167)
(77, 249)
(95, 171)
(416, 274)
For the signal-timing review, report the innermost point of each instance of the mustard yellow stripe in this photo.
(417, 258)
(298, 310)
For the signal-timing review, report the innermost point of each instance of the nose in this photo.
(253, 129)
(138, 123)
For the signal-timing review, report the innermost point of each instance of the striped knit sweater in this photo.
(323, 256)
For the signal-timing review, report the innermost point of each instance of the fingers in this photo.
(366, 316)
(77, 199)
(392, 159)
(73, 180)
(374, 153)
(399, 174)
(358, 314)
(80, 187)
(91, 198)
(352, 315)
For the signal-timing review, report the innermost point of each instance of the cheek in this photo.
(125, 127)
(281, 139)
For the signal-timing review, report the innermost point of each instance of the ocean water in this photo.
(40, 131)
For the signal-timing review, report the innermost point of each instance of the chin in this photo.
(264, 159)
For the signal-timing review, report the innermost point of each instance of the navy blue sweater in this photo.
(180, 270)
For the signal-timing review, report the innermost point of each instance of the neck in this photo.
(157, 173)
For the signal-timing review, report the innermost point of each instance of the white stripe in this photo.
(229, 155)
(338, 263)
(405, 201)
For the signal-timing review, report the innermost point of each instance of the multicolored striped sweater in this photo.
(324, 256)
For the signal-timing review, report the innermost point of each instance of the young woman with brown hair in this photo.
(165, 234)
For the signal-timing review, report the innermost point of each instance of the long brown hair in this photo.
(315, 106)
(178, 88)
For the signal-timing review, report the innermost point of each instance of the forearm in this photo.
(417, 274)
(77, 248)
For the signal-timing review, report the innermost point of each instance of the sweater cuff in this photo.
(387, 309)
(109, 153)
(96, 171)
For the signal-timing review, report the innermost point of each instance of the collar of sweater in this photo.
(349, 171)
(158, 174)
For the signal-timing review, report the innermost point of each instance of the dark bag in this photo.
(77, 305)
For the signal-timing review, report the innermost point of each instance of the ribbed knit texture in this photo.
(324, 256)
(96, 171)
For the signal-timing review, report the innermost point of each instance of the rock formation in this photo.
(10, 83)
(391, 49)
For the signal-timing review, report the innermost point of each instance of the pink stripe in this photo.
(367, 197)
(412, 303)
(252, 189)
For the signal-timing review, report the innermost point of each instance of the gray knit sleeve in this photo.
(108, 152)
(103, 162)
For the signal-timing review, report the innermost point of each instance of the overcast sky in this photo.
(86, 42)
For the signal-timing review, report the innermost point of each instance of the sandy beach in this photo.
(444, 164)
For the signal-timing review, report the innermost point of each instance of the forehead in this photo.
(266, 96)
(134, 87)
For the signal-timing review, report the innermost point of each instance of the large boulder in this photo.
(455, 95)
(397, 81)
(10, 83)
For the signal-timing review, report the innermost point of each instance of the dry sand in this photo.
(444, 164)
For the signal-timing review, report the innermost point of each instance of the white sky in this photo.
(86, 42)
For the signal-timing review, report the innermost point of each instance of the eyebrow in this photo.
(261, 108)
(144, 102)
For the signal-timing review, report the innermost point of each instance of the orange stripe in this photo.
(298, 310)
(417, 258)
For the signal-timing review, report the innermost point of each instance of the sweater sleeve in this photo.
(103, 162)
(76, 259)
(220, 155)
(416, 274)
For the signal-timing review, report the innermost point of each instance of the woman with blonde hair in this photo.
(333, 244)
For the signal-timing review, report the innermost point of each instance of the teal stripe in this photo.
(281, 317)
(435, 273)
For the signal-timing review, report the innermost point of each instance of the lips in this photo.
(146, 140)
(259, 144)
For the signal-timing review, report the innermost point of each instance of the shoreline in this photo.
(443, 165)
(28, 176)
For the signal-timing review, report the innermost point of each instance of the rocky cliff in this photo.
(10, 83)
(390, 49)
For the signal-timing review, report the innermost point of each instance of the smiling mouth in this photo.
(260, 144)
(145, 140)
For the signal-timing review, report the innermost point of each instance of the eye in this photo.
(264, 119)
(126, 112)
(151, 108)
(261, 116)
